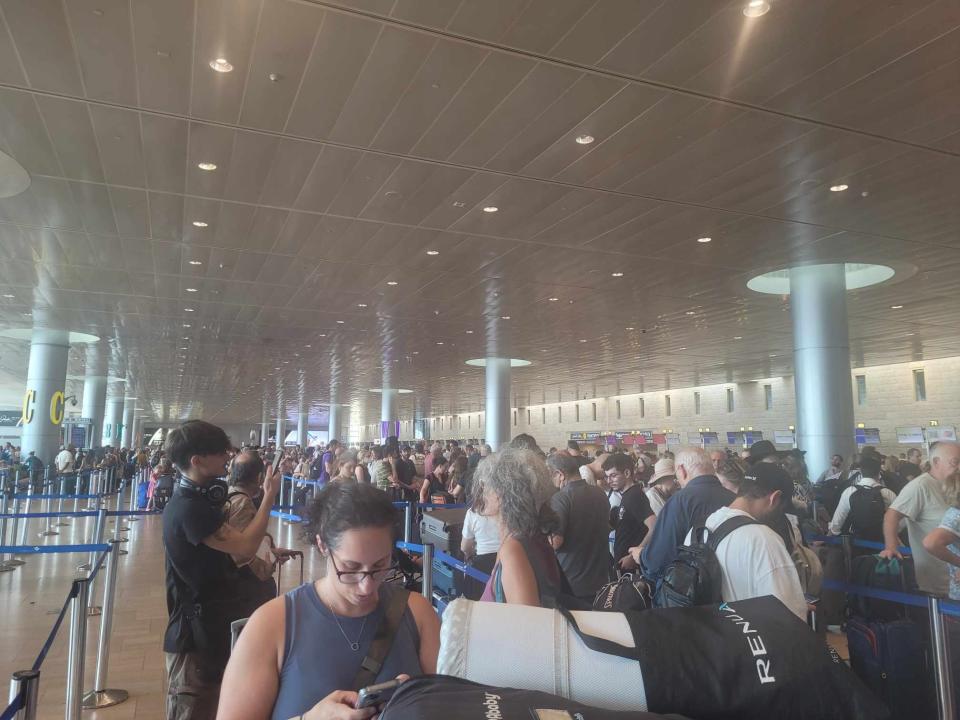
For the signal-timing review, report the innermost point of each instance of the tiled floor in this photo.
(30, 594)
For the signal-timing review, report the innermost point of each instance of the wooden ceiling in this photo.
(351, 138)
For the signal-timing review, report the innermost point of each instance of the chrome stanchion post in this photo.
(427, 576)
(61, 521)
(941, 661)
(408, 522)
(26, 509)
(99, 530)
(28, 683)
(48, 530)
(100, 696)
(77, 649)
(6, 564)
(13, 560)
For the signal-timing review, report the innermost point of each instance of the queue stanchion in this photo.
(941, 661)
(134, 488)
(426, 588)
(63, 491)
(13, 559)
(77, 648)
(101, 696)
(408, 522)
(6, 563)
(48, 530)
(94, 482)
(24, 528)
(26, 685)
(99, 529)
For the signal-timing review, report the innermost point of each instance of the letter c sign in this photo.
(56, 407)
(28, 400)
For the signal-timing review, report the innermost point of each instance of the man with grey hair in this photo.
(923, 502)
(700, 495)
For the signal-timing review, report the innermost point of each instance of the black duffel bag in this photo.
(441, 697)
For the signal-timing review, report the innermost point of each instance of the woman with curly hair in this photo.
(514, 487)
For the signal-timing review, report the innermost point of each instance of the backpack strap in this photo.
(727, 527)
(383, 639)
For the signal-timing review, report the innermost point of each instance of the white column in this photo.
(43, 400)
(129, 410)
(302, 422)
(113, 420)
(94, 397)
(821, 361)
(333, 427)
(497, 402)
(388, 409)
(281, 431)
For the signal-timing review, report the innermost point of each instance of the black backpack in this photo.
(865, 520)
(695, 576)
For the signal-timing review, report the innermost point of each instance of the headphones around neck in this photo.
(214, 492)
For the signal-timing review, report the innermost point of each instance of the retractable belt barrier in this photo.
(866, 544)
(446, 560)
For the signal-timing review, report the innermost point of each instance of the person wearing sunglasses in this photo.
(301, 655)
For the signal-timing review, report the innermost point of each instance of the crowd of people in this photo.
(539, 523)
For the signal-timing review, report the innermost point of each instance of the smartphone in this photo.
(377, 694)
(277, 459)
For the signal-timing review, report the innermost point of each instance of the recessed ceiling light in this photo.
(207, 166)
(629, 328)
(391, 282)
(340, 322)
(738, 337)
(439, 342)
(415, 352)
(191, 290)
(189, 310)
(195, 262)
(323, 334)
(584, 139)
(772, 355)
(469, 332)
(7, 295)
(704, 240)
(308, 345)
(433, 252)
(616, 274)
(504, 317)
(361, 305)
(756, 8)
(691, 312)
(838, 188)
(221, 65)
(896, 307)
(187, 325)
(199, 223)
(583, 341)
(553, 299)
(491, 209)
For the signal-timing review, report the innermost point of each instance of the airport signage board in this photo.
(912, 435)
(941, 432)
(784, 437)
(867, 436)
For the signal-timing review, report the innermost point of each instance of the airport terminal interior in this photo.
(268, 266)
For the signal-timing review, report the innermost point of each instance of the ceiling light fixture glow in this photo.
(553, 299)
(189, 310)
(584, 139)
(504, 317)
(756, 8)
(341, 322)
(391, 282)
(191, 290)
(221, 65)
(616, 274)
(194, 262)
(491, 209)
(208, 166)
(433, 252)
(896, 307)
(200, 223)
(361, 305)
(482, 362)
(704, 240)
(838, 188)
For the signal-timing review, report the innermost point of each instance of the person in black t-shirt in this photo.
(203, 596)
(634, 518)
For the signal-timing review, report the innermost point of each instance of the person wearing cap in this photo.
(870, 471)
(662, 485)
(753, 558)
(765, 451)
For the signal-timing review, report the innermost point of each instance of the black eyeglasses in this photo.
(355, 577)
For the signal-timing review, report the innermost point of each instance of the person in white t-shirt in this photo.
(870, 470)
(64, 460)
(480, 542)
(923, 502)
(753, 557)
(592, 472)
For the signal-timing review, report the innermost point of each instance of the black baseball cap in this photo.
(764, 448)
(769, 477)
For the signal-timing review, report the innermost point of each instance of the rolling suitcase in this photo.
(889, 657)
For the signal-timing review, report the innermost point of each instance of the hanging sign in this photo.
(912, 435)
(783, 437)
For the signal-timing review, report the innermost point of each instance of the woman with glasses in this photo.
(300, 655)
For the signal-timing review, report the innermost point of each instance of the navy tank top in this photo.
(317, 659)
